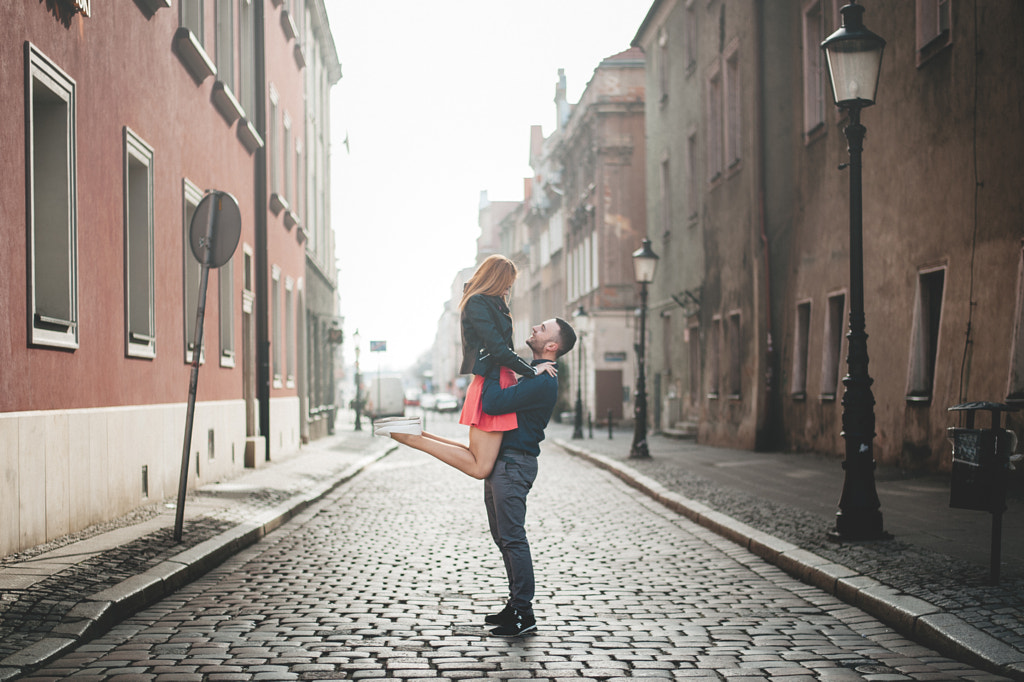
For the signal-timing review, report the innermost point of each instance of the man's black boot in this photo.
(521, 623)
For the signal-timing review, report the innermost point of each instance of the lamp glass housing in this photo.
(854, 60)
(645, 262)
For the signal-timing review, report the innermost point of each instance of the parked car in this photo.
(446, 402)
(412, 397)
(427, 401)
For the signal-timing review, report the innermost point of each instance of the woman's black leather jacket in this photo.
(487, 337)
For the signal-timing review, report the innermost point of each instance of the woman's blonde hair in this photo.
(493, 278)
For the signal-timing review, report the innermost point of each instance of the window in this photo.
(693, 340)
(692, 182)
(299, 200)
(735, 355)
(275, 321)
(289, 331)
(226, 311)
(663, 63)
(274, 160)
(1015, 392)
(666, 200)
(52, 203)
(246, 57)
(713, 355)
(924, 334)
(191, 272)
(814, 67)
(690, 37)
(833, 346)
(798, 387)
(286, 157)
(139, 304)
(226, 43)
(733, 124)
(191, 17)
(714, 125)
(933, 27)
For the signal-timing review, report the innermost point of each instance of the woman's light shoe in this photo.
(410, 425)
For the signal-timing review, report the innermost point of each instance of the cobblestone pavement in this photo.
(390, 575)
(954, 584)
(32, 612)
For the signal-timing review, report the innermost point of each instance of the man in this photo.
(505, 489)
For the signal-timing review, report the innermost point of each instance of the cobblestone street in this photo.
(391, 574)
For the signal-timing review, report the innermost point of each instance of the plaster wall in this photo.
(62, 471)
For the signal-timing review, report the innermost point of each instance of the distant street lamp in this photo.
(645, 261)
(359, 381)
(580, 317)
(854, 61)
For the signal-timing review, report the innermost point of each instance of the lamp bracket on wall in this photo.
(688, 301)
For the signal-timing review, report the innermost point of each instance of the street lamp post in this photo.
(645, 261)
(854, 61)
(359, 381)
(580, 316)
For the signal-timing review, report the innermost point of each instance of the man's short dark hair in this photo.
(566, 337)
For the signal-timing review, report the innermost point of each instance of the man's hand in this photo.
(548, 367)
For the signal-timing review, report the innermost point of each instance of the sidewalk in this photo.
(929, 582)
(54, 597)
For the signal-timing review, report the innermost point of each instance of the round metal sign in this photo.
(222, 209)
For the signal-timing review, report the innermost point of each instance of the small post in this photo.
(609, 424)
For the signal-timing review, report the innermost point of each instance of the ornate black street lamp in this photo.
(580, 317)
(359, 382)
(645, 261)
(854, 61)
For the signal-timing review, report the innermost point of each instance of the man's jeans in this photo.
(505, 492)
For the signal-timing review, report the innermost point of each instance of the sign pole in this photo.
(193, 382)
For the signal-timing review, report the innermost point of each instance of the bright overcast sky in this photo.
(437, 99)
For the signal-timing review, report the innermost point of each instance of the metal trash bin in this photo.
(981, 466)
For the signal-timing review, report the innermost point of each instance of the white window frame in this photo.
(139, 280)
(735, 339)
(663, 65)
(289, 332)
(273, 136)
(715, 357)
(190, 16)
(934, 27)
(275, 322)
(690, 38)
(52, 203)
(286, 157)
(924, 347)
(801, 338)
(832, 348)
(693, 339)
(225, 47)
(246, 57)
(1015, 381)
(226, 312)
(732, 105)
(716, 152)
(814, 69)
(191, 271)
(665, 190)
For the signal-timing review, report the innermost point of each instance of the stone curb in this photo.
(98, 612)
(910, 616)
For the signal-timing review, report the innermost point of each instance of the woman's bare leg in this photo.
(477, 460)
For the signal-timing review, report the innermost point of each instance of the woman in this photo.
(486, 343)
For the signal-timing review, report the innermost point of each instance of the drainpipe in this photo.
(260, 227)
(768, 430)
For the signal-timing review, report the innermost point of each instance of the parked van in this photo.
(385, 398)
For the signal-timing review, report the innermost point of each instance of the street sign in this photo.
(378, 346)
